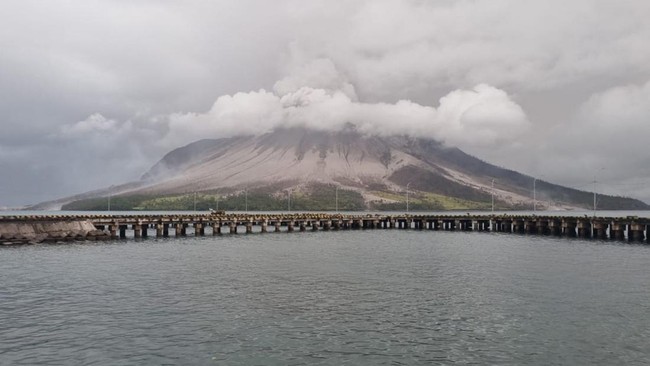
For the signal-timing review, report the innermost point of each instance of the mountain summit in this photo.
(370, 172)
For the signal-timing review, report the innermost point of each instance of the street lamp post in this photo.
(594, 196)
(289, 200)
(407, 196)
(492, 195)
(336, 194)
(534, 194)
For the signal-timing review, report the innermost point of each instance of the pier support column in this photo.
(233, 227)
(216, 228)
(518, 226)
(277, 226)
(542, 227)
(265, 224)
(145, 230)
(159, 230)
(137, 230)
(529, 227)
(290, 226)
(314, 225)
(165, 230)
(637, 232)
(178, 229)
(584, 228)
(302, 226)
(392, 223)
(599, 229)
(122, 231)
(617, 231)
(327, 225)
(555, 227)
(249, 227)
(113, 230)
(569, 228)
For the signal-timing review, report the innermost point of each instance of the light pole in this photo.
(595, 190)
(492, 195)
(407, 196)
(336, 194)
(594, 196)
(288, 200)
(534, 194)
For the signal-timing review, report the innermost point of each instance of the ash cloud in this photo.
(552, 88)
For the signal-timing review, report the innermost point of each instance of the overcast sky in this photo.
(92, 93)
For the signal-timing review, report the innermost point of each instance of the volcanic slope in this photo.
(378, 168)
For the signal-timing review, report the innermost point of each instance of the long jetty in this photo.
(108, 226)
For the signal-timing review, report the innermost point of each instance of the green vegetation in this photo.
(319, 197)
(421, 201)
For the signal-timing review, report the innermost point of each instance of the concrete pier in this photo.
(632, 229)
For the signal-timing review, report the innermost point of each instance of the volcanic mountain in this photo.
(315, 168)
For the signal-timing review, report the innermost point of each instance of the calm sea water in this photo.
(332, 298)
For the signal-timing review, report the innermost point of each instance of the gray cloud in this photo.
(92, 93)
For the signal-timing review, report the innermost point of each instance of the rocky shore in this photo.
(34, 232)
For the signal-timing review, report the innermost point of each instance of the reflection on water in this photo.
(358, 298)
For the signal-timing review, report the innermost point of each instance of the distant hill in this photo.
(366, 172)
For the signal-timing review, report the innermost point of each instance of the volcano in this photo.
(370, 172)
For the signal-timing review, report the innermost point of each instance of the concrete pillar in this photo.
(617, 230)
(529, 227)
(184, 229)
(277, 226)
(518, 226)
(569, 228)
(265, 224)
(113, 230)
(159, 230)
(145, 230)
(249, 227)
(165, 230)
(302, 226)
(337, 224)
(178, 230)
(599, 229)
(584, 228)
(137, 230)
(392, 223)
(555, 227)
(123, 231)
(314, 225)
(216, 228)
(290, 225)
(637, 232)
(233, 227)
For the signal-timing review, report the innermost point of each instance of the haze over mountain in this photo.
(376, 168)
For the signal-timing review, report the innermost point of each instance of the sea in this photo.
(363, 297)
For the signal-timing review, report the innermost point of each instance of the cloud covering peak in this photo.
(538, 86)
